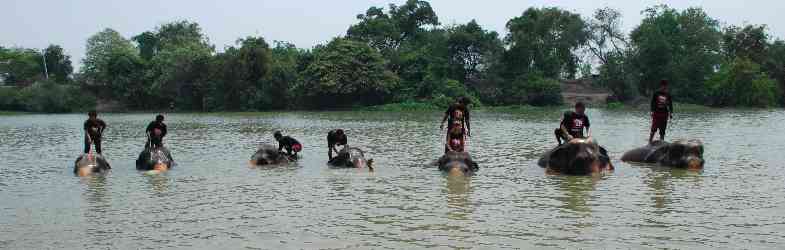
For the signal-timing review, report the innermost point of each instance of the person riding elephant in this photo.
(291, 145)
(577, 157)
(457, 115)
(156, 131)
(680, 154)
(573, 125)
(94, 130)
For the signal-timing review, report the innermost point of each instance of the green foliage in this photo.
(102, 48)
(472, 50)
(680, 46)
(403, 55)
(741, 82)
(544, 40)
(47, 96)
(346, 72)
(21, 66)
(58, 64)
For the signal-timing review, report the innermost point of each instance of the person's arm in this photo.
(446, 114)
(653, 105)
(588, 128)
(563, 126)
(468, 123)
(163, 130)
(149, 128)
(670, 105)
(102, 128)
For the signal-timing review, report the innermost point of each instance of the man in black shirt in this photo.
(573, 124)
(335, 137)
(291, 145)
(94, 129)
(457, 115)
(661, 110)
(156, 131)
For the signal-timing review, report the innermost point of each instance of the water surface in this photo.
(213, 199)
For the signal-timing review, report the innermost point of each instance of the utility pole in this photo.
(46, 71)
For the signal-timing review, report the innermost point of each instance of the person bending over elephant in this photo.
(156, 131)
(335, 138)
(291, 145)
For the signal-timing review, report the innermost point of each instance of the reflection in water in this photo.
(576, 192)
(96, 215)
(661, 180)
(158, 182)
(458, 189)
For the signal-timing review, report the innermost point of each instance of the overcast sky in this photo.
(37, 23)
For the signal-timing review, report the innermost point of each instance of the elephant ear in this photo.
(661, 149)
(559, 157)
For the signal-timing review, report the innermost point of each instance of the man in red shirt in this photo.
(661, 110)
(573, 125)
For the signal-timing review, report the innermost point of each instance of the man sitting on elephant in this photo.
(573, 125)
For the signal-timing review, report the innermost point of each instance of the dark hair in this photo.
(465, 100)
(159, 117)
(664, 82)
(339, 131)
(580, 105)
(277, 134)
(92, 113)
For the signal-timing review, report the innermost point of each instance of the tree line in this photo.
(404, 54)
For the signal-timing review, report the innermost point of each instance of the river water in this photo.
(212, 199)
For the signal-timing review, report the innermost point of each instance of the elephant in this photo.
(268, 155)
(351, 157)
(155, 158)
(679, 154)
(457, 163)
(87, 164)
(577, 157)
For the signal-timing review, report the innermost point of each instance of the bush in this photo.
(741, 82)
(49, 97)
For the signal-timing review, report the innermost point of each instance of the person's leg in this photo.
(558, 134)
(663, 127)
(98, 146)
(86, 145)
(653, 128)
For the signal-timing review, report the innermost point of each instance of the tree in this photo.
(101, 49)
(682, 47)
(748, 42)
(472, 49)
(21, 66)
(148, 44)
(544, 41)
(58, 64)
(178, 68)
(605, 38)
(386, 31)
(346, 72)
(741, 82)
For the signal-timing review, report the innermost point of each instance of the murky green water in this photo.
(213, 200)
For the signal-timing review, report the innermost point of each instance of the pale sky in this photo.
(38, 23)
